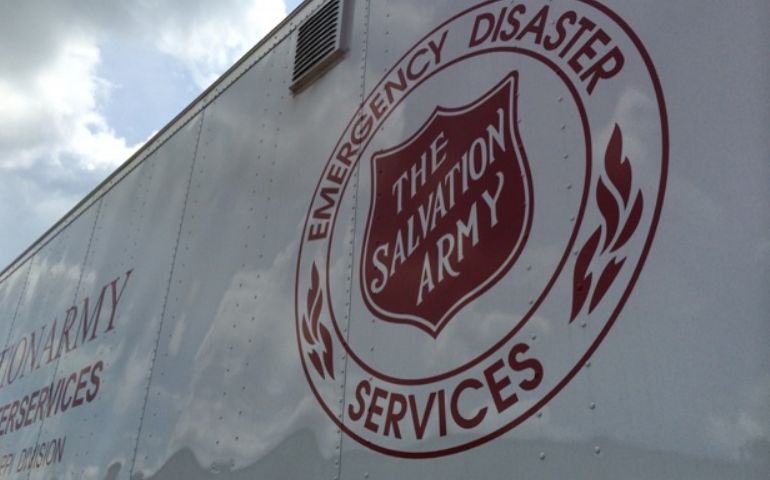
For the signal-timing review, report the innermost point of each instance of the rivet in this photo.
(534, 337)
(539, 415)
(583, 324)
(588, 364)
(592, 405)
(542, 455)
(597, 450)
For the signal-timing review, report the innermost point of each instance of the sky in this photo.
(84, 84)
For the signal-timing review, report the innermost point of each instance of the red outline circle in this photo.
(665, 145)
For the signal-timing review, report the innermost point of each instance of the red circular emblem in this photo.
(499, 188)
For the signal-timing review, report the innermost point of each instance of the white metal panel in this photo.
(11, 292)
(53, 287)
(202, 376)
(130, 272)
(650, 402)
(227, 396)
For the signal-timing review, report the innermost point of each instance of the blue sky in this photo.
(84, 84)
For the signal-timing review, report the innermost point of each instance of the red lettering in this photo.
(375, 409)
(461, 421)
(116, 296)
(64, 339)
(12, 416)
(336, 173)
(496, 387)
(64, 401)
(328, 194)
(390, 85)
(22, 412)
(2, 362)
(84, 322)
(346, 154)
(441, 413)
(477, 37)
(499, 24)
(45, 393)
(394, 414)
(527, 364)
(599, 69)
(317, 231)
(29, 419)
(363, 388)
(81, 384)
(3, 418)
(553, 42)
(378, 106)
(95, 381)
(421, 424)
(536, 25)
(15, 358)
(585, 25)
(507, 35)
(361, 129)
(413, 74)
(587, 50)
(49, 343)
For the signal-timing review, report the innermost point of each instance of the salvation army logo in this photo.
(480, 224)
(449, 213)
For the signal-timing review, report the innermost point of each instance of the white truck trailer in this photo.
(456, 239)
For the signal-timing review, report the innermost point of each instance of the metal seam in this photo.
(165, 297)
(74, 300)
(18, 305)
(353, 236)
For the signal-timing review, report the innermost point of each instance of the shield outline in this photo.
(510, 81)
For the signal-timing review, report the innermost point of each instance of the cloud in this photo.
(208, 48)
(56, 143)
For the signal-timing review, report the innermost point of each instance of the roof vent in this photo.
(319, 44)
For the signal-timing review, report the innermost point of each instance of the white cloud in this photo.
(53, 115)
(209, 47)
(55, 142)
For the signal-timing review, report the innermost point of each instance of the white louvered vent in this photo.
(319, 44)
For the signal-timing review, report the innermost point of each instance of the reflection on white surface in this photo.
(679, 388)
(206, 412)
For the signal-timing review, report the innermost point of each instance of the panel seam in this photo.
(74, 302)
(165, 298)
(18, 305)
(353, 236)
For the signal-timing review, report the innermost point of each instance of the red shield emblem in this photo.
(450, 212)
